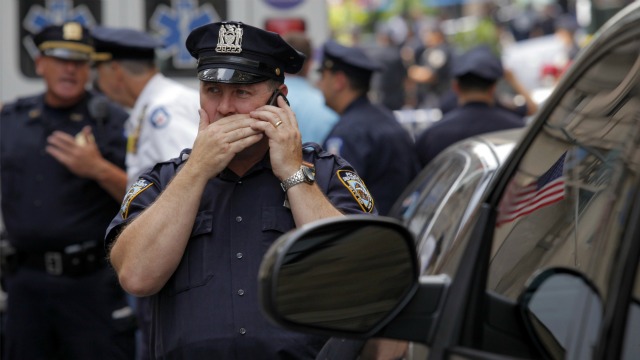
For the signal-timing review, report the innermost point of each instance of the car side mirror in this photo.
(562, 311)
(345, 276)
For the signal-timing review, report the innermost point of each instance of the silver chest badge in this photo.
(229, 39)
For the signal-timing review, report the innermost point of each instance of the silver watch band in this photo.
(295, 179)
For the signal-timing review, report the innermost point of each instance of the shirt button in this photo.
(240, 292)
(239, 255)
(238, 218)
(242, 331)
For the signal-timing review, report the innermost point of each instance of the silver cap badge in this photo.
(229, 39)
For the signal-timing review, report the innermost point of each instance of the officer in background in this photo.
(164, 119)
(431, 72)
(315, 119)
(475, 75)
(62, 159)
(164, 116)
(368, 136)
(192, 232)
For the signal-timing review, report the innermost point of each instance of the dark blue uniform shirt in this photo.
(471, 119)
(45, 206)
(379, 148)
(209, 307)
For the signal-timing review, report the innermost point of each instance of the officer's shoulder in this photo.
(174, 163)
(311, 152)
(22, 104)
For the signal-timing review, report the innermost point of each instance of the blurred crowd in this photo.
(418, 49)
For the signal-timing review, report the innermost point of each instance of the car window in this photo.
(568, 202)
(443, 197)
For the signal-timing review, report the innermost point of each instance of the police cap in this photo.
(233, 52)
(351, 60)
(122, 43)
(69, 41)
(479, 61)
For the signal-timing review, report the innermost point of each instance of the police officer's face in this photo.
(65, 79)
(220, 100)
(326, 85)
(109, 81)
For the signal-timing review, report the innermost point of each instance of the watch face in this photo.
(309, 174)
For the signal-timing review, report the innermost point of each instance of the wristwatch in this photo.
(304, 175)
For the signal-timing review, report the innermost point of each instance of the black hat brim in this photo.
(230, 76)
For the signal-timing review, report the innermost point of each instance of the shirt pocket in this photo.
(276, 220)
(192, 271)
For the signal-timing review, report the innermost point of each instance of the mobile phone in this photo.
(273, 100)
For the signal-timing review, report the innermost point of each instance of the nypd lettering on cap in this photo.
(135, 190)
(159, 118)
(358, 189)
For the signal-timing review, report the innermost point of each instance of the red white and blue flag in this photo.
(549, 188)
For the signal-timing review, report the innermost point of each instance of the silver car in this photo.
(547, 267)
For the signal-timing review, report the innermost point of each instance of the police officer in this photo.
(164, 119)
(367, 136)
(431, 73)
(62, 159)
(475, 75)
(192, 231)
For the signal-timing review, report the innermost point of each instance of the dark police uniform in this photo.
(472, 118)
(62, 297)
(437, 59)
(368, 136)
(209, 308)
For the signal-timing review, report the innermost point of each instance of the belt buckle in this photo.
(53, 263)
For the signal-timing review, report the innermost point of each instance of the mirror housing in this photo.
(346, 276)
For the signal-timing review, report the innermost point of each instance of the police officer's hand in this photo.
(79, 154)
(218, 142)
(285, 144)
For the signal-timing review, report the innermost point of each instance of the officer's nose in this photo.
(226, 105)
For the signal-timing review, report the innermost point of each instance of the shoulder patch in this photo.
(358, 189)
(135, 189)
(160, 118)
(334, 145)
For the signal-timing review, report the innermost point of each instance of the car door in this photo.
(568, 199)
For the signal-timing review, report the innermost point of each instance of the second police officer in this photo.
(368, 136)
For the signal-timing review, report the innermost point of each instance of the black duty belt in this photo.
(74, 260)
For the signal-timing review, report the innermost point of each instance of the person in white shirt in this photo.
(164, 116)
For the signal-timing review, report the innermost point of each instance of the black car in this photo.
(546, 267)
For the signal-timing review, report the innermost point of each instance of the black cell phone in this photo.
(273, 100)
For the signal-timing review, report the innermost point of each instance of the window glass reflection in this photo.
(567, 204)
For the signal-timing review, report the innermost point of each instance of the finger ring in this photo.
(278, 123)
